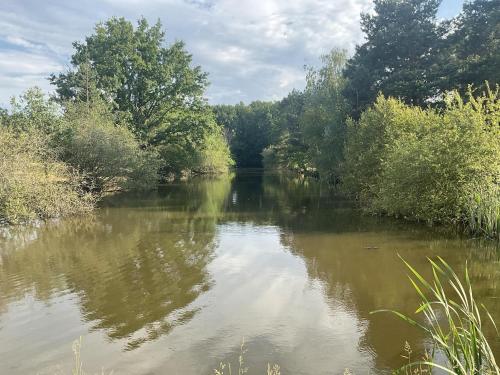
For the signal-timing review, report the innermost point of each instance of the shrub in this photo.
(33, 183)
(439, 167)
(191, 143)
(107, 154)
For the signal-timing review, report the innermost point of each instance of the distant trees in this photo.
(249, 130)
(384, 124)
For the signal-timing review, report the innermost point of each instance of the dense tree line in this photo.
(128, 113)
(409, 125)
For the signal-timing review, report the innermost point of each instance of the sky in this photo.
(252, 49)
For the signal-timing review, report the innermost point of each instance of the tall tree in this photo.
(134, 70)
(398, 56)
(324, 114)
(472, 54)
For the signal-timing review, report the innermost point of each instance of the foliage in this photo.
(398, 56)
(33, 183)
(144, 80)
(471, 51)
(428, 165)
(32, 111)
(248, 129)
(151, 88)
(192, 142)
(288, 150)
(108, 155)
(454, 322)
(324, 115)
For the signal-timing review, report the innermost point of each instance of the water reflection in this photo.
(133, 270)
(169, 282)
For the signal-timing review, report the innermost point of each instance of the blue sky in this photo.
(252, 49)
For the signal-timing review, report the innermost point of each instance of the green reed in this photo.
(454, 322)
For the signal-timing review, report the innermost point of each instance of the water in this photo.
(171, 282)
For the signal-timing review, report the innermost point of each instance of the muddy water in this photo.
(170, 282)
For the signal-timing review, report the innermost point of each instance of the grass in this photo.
(453, 322)
(483, 212)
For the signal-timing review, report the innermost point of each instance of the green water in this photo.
(170, 282)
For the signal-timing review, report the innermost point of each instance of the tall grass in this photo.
(453, 322)
(482, 212)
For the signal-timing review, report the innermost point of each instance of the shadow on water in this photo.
(197, 265)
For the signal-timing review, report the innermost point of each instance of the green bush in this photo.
(33, 183)
(428, 165)
(191, 143)
(108, 155)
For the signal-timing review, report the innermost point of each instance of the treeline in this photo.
(128, 113)
(408, 125)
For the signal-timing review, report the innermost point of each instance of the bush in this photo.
(33, 183)
(192, 143)
(107, 154)
(427, 165)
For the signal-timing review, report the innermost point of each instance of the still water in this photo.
(170, 282)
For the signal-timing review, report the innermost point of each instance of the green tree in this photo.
(131, 67)
(324, 115)
(33, 111)
(249, 129)
(472, 49)
(288, 150)
(192, 142)
(151, 87)
(398, 57)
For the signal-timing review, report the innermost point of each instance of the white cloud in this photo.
(252, 49)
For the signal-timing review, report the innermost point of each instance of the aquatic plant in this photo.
(453, 322)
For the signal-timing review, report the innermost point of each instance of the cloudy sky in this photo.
(252, 49)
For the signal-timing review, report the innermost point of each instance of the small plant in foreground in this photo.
(454, 325)
(225, 367)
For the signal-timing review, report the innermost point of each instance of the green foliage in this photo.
(428, 165)
(151, 88)
(249, 130)
(108, 155)
(192, 142)
(471, 52)
(305, 131)
(324, 114)
(288, 151)
(398, 57)
(454, 322)
(33, 183)
(33, 111)
(144, 80)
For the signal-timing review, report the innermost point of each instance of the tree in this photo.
(135, 72)
(33, 111)
(472, 48)
(398, 57)
(249, 129)
(288, 150)
(324, 115)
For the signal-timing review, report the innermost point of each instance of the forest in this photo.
(408, 126)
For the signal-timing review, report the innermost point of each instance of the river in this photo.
(171, 282)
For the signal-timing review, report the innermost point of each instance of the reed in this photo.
(453, 322)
